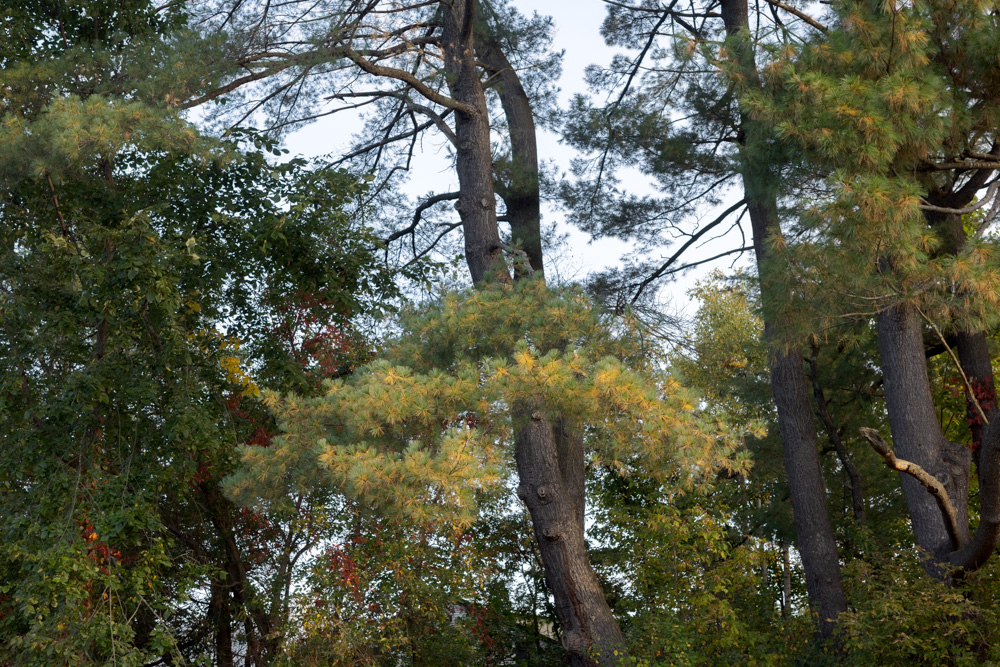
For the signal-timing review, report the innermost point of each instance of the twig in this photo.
(958, 365)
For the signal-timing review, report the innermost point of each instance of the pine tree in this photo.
(896, 105)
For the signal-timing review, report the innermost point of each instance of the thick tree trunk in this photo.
(916, 432)
(549, 451)
(814, 533)
(473, 157)
(520, 187)
(549, 460)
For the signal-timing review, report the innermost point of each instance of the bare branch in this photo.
(991, 193)
(965, 378)
(388, 140)
(409, 79)
(931, 483)
(234, 84)
(802, 15)
(691, 241)
(969, 164)
(418, 213)
(434, 116)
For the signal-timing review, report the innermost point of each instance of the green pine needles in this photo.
(432, 422)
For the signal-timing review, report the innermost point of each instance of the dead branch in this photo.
(930, 482)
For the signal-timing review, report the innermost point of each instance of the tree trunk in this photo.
(549, 459)
(916, 432)
(974, 357)
(473, 156)
(814, 533)
(520, 191)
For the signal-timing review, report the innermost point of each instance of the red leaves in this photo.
(985, 395)
(261, 436)
(317, 335)
(97, 551)
(342, 562)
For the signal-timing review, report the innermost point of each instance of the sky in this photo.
(577, 32)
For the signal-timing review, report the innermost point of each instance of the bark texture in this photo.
(789, 387)
(974, 356)
(473, 157)
(983, 545)
(549, 450)
(551, 485)
(519, 190)
(916, 432)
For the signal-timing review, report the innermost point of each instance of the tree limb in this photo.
(802, 15)
(694, 238)
(990, 195)
(424, 205)
(931, 483)
(410, 80)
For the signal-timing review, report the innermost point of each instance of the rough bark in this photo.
(916, 433)
(551, 485)
(974, 356)
(814, 533)
(520, 189)
(789, 387)
(983, 545)
(473, 157)
(549, 451)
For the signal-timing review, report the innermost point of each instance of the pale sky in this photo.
(577, 24)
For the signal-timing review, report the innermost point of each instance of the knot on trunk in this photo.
(552, 533)
(575, 641)
(544, 494)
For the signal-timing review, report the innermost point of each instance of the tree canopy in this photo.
(256, 413)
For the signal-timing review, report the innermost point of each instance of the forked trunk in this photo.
(549, 451)
(520, 190)
(473, 157)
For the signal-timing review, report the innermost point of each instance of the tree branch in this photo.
(418, 213)
(802, 15)
(935, 487)
(990, 195)
(694, 238)
(409, 79)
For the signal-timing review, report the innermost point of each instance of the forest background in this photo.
(273, 411)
